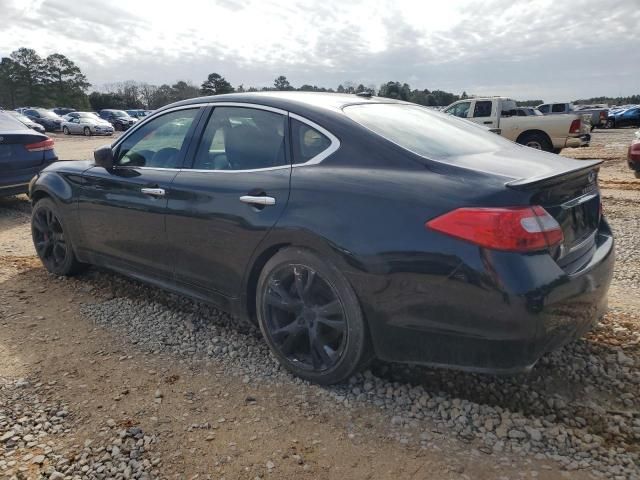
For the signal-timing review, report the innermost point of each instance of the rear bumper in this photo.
(497, 314)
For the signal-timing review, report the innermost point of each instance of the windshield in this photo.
(120, 113)
(89, 115)
(425, 132)
(20, 117)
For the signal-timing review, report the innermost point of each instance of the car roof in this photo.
(290, 99)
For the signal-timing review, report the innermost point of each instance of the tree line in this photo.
(26, 79)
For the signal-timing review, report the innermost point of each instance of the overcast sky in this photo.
(549, 49)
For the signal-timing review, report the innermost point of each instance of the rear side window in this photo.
(558, 108)
(308, 142)
(482, 108)
(425, 132)
(239, 138)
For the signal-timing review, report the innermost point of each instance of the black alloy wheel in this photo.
(310, 317)
(51, 244)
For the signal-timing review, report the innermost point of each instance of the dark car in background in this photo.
(62, 111)
(629, 117)
(48, 119)
(138, 113)
(346, 227)
(26, 120)
(23, 153)
(120, 119)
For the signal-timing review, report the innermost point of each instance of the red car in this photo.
(633, 155)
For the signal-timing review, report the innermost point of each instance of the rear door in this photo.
(122, 211)
(235, 190)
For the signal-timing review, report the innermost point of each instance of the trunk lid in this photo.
(14, 155)
(573, 199)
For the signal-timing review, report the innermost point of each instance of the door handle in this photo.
(154, 192)
(487, 123)
(258, 200)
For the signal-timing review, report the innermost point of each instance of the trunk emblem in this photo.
(592, 177)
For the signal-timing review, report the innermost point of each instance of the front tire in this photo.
(87, 131)
(50, 240)
(65, 130)
(310, 317)
(610, 123)
(637, 174)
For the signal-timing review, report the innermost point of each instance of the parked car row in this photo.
(633, 155)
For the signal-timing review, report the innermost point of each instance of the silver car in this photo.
(86, 123)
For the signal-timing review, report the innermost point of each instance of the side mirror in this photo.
(104, 157)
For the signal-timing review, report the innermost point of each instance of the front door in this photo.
(122, 210)
(224, 205)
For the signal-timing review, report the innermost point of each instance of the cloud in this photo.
(537, 48)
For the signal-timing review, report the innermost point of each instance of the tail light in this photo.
(40, 146)
(575, 126)
(514, 229)
(633, 153)
(602, 115)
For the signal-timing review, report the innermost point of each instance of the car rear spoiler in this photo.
(556, 177)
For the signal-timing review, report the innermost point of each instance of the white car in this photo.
(86, 123)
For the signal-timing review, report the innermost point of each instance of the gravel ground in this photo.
(578, 408)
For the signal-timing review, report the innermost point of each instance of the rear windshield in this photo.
(425, 132)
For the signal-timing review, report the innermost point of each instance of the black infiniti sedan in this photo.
(347, 227)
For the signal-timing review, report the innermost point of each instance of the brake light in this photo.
(40, 146)
(515, 229)
(602, 115)
(575, 126)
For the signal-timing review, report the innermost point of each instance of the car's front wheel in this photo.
(611, 123)
(311, 318)
(52, 244)
(65, 130)
(87, 132)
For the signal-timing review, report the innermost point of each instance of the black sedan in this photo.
(347, 227)
(23, 153)
(48, 119)
(120, 119)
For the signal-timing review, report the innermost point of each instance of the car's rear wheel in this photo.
(52, 244)
(537, 141)
(65, 130)
(311, 318)
(87, 131)
(637, 174)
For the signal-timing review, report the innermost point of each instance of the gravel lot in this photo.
(102, 377)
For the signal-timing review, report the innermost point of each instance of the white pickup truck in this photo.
(550, 133)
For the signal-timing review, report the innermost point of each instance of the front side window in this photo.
(558, 108)
(239, 138)
(158, 143)
(544, 108)
(460, 109)
(482, 108)
(308, 142)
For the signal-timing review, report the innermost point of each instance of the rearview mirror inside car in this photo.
(104, 157)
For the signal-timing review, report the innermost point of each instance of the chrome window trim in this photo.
(332, 148)
(335, 142)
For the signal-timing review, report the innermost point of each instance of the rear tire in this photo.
(310, 317)
(637, 174)
(537, 141)
(51, 242)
